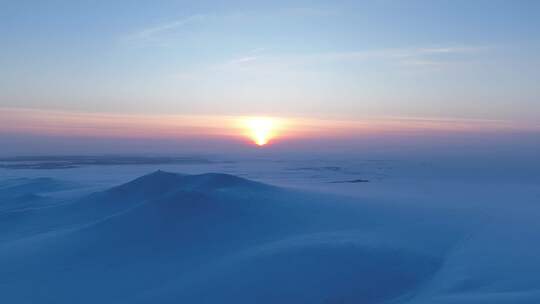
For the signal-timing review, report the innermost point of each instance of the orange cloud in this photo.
(63, 123)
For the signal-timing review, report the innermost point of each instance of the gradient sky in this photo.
(459, 59)
(342, 60)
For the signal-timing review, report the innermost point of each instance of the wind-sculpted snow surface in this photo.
(218, 238)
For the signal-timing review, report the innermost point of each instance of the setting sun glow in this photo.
(260, 130)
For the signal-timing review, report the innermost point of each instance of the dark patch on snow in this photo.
(68, 162)
(352, 181)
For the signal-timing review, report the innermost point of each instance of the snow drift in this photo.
(218, 238)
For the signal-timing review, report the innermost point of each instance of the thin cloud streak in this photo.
(405, 57)
(106, 125)
(156, 30)
(163, 28)
(395, 53)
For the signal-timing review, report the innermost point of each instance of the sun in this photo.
(260, 130)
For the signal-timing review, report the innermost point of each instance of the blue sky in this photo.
(338, 59)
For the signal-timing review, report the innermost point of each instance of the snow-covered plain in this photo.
(271, 231)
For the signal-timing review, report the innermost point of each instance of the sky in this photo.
(339, 61)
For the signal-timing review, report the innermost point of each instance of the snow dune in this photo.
(219, 238)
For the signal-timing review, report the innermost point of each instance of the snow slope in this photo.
(219, 238)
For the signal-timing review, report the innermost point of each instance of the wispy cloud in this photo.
(438, 57)
(259, 61)
(408, 56)
(242, 60)
(397, 53)
(156, 30)
(248, 57)
(110, 125)
(447, 50)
